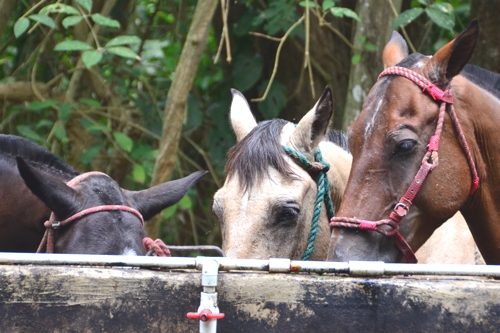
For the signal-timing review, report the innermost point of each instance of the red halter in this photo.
(429, 162)
(47, 243)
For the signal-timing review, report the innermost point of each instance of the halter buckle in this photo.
(401, 209)
(56, 224)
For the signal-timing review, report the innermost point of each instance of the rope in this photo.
(319, 165)
(155, 248)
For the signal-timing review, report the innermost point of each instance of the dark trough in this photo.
(86, 299)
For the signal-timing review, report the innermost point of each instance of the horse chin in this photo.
(352, 245)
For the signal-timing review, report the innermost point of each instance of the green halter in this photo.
(323, 193)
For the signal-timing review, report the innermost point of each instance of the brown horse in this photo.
(33, 184)
(414, 111)
(266, 205)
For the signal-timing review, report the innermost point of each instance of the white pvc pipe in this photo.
(355, 268)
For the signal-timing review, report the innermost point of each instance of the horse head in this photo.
(103, 230)
(266, 205)
(396, 129)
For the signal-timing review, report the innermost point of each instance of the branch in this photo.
(276, 61)
(80, 67)
(395, 12)
(176, 104)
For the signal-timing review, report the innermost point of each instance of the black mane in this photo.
(251, 157)
(12, 146)
(485, 79)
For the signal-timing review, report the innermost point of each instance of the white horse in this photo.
(267, 203)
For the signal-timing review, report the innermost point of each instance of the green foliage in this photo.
(21, 26)
(91, 58)
(102, 20)
(115, 127)
(441, 13)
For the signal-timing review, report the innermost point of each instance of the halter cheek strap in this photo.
(429, 162)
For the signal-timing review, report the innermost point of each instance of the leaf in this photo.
(186, 202)
(72, 45)
(311, 4)
(355, 59)
(423, 2)
(44, 123)
(247, 70)
(44, 19)
(123, 40)
(370, 47)
(91, 153)
(90, 58)
(169, 212)
(341, 12)
(41, 105)
(91, 102)
(124, 52)
(103, 20)
(445, 7)
(64, 112)
(124, 141)
(327, 4)
(60, 8)
(441, 19)
(29, 133)
(87, 4)
(71, 20)
(60, 133)
(275, 100)
(407, 16)
(21, 26)
(139, 174)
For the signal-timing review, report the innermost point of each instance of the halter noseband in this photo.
(48, 241)
(319, 165)
(429, 162)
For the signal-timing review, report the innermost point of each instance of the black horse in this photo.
(33, 183)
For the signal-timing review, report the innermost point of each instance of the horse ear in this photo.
(153, 200)
(395, 50)
(242, 119)
(60, 198)
(312, 128)
(449, 60)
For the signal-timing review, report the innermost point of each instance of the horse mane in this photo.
(483, 78)
(251, 157)
(12, 146)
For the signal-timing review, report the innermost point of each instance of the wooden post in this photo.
(85, 299)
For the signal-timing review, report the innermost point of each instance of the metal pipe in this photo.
(227, 264)
(200, 248)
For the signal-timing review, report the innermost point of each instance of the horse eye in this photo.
(287, 216)
(404, 146)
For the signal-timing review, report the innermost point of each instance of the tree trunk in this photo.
(176, 104)
(487, 53)
(376, 26)
(6, 8)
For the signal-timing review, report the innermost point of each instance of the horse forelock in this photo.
(12, 146)
(104, 190)
(251, 157)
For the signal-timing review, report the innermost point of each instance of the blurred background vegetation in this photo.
(94, 81)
